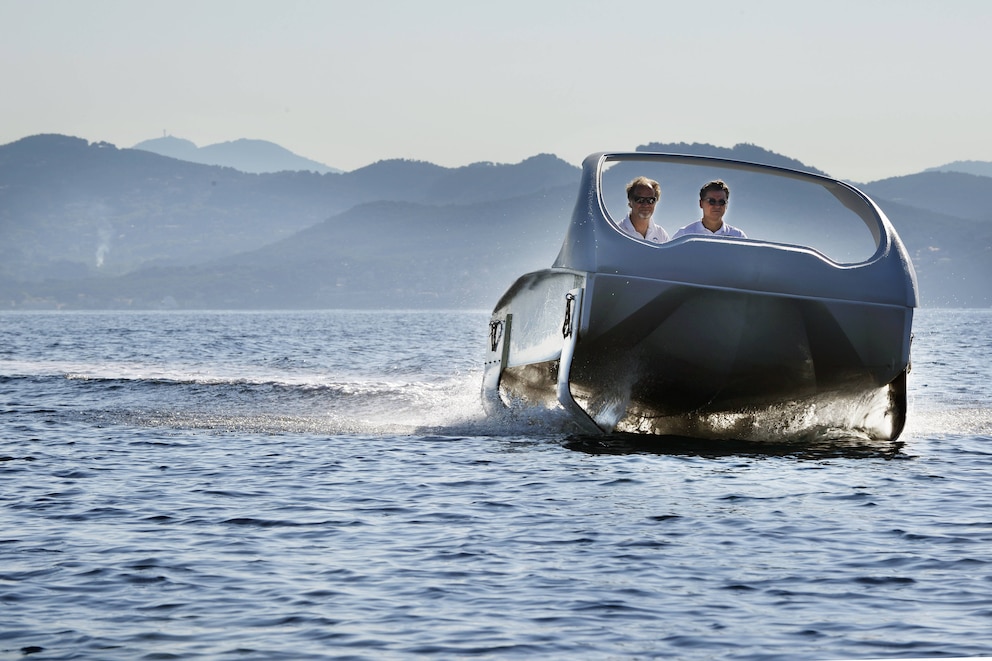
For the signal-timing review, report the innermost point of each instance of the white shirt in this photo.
(656, 233)
(698, 228)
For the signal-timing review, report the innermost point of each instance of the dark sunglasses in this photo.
(645, 200)
(713, 200)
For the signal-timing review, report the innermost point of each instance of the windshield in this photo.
(815, 212)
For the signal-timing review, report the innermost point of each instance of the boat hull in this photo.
(749, 339)
(671, 358)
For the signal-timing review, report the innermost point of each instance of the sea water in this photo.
(325, 485)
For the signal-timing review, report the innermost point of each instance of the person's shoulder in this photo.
(691, 228)
(658, 233)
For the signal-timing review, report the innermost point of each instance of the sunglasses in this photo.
(714, 201)
(645, 200)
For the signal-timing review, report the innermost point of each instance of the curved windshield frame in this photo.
(770, 204)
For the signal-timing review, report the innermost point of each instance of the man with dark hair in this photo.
(714, 197)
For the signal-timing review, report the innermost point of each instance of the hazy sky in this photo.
(863, 89)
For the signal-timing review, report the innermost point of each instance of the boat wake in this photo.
(375, 405)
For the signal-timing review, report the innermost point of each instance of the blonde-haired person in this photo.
(643, 195)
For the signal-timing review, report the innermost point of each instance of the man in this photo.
(642, 196)
(714, 197)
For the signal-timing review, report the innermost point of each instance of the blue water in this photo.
(324, 485)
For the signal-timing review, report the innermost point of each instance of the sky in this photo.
(862, 89)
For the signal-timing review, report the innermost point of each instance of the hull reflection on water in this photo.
(827, 446)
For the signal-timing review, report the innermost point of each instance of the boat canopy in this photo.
(808, 235)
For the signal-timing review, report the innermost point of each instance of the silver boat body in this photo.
(805, 325)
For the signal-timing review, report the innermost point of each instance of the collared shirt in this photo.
(698, 228)
(656, 233)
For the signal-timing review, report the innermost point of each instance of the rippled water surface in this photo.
(325, 485)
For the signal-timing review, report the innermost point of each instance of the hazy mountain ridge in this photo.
(937, 191)
(741, 152)
(71, 209)
(89, 225)
(980, 168)
(254, 156)
(108, 211)
(377, 254)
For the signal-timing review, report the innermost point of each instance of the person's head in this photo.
(713, 186)
(713, 199)
(642, 196)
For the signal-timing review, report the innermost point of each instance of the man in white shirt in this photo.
(642, 196)
(714, 197)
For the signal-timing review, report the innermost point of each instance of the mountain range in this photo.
(256, 156)
(90, 226)
(980, 168)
